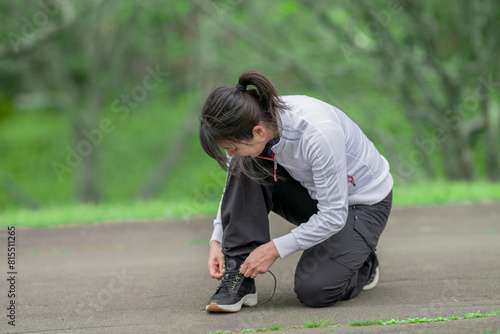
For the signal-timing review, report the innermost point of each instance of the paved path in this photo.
(151, 277)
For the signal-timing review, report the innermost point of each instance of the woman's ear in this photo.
(259, 131)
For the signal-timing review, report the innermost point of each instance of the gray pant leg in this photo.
(244, 211)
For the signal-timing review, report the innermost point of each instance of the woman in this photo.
(308, 162)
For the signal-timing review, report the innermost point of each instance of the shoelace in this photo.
(227, 279)
(272, 295)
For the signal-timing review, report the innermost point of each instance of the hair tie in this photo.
(241, 87)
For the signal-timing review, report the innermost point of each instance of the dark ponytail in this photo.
(265, 93)
(230, 114)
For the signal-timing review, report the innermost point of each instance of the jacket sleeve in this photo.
(323, 147)
(217, 232)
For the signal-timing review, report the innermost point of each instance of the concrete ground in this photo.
(151, 277)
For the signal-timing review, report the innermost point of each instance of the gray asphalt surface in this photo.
(151, 277)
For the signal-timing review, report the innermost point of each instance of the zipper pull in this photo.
(275, 168)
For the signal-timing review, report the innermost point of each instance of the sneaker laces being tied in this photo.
(228, 278)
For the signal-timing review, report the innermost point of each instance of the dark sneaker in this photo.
(234, 290)
(372, 281)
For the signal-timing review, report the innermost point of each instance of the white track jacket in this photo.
(323, 149)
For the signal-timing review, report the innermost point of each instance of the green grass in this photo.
(308, 323)
(439, 192)
(314, 323)
(90, 213)
(421, 320)
(274, 328)
(417, 194)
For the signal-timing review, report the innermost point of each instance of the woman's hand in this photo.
(216, 260)
(260, 260)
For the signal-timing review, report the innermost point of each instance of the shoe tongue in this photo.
(231, 264)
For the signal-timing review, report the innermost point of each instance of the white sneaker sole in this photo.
(374, 283)
(248, 300)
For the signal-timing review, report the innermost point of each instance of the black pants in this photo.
(336, 269)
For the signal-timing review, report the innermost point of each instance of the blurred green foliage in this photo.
(397, 68)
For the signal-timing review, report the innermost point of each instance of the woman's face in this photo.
(248, 148)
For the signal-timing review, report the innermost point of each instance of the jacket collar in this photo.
(284, 122)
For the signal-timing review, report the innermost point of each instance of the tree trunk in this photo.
(458, 157)
(492, 155)
(86, 174)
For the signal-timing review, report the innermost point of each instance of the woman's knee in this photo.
(315, 292)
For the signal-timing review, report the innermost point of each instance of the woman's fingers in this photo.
(215, 269)
(259, 260)
(216, 260)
